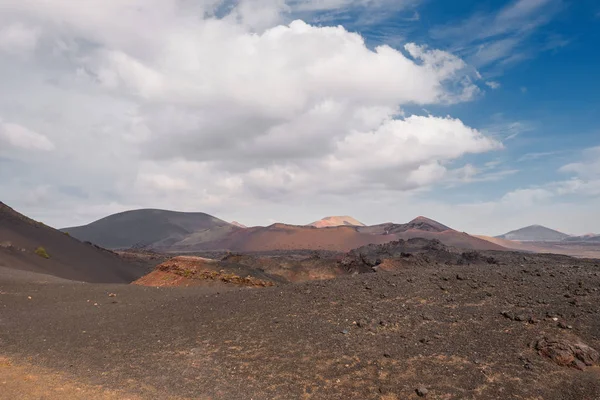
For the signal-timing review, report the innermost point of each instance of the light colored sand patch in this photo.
(28, 382)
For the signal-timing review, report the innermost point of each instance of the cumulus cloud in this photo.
(18, 136)
(18, 39)
(583, 182)
(206, 107)
(588, 167)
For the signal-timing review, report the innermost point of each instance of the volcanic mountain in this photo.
(28, 245)
(336, 238)
(152, 228)
(534, 233)
(170, 231)
(336, 221)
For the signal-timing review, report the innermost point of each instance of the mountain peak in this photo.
(336, 221)
(534, 233)
(427, 224)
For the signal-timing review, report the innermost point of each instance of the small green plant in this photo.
(67, 233)
(40, 251)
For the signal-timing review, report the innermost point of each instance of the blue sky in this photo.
(481, 114)
(549, 80)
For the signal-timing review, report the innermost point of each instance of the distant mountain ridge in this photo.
(589, 238)
(534, 233)
(171, 231)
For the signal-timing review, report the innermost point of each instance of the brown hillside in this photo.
(340, 238)
(29, 245)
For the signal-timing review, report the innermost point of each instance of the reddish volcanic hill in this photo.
(339, 238)
(336, 221)
(291, 237)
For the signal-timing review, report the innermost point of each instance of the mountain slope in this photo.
(534, 233)
(68, 258)
(337, 238)
(343, 220)
(153, 228)
(589, 238)
(419, 224)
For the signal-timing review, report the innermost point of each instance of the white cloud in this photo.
(588, 167)
(18, 39)
(493, 84)
(161, 182)
(164, 103)
(20, 137)
(526, 197)
(584, 181)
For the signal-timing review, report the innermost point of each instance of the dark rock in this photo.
(509, 315)
(421, 391)
(562, 325)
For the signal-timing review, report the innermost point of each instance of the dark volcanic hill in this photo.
(534, 233)
(152, 228)
(420, 224)
(69, 258)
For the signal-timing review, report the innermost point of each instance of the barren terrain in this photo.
(450, 324)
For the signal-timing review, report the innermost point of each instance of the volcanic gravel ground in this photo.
(447, 332)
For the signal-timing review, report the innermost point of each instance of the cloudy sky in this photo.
(480, 114)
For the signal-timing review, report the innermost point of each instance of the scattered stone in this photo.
(112, 295)
(521, 317)
(345, 331)
(507, 314)
(421, 391)
(568, 353)
(387, 355)
(562, 325)
(460, 277)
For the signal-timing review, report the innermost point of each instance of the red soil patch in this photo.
(196, 271)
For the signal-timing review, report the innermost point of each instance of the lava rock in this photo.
(568, 353)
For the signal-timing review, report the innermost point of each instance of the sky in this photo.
(482, 115)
